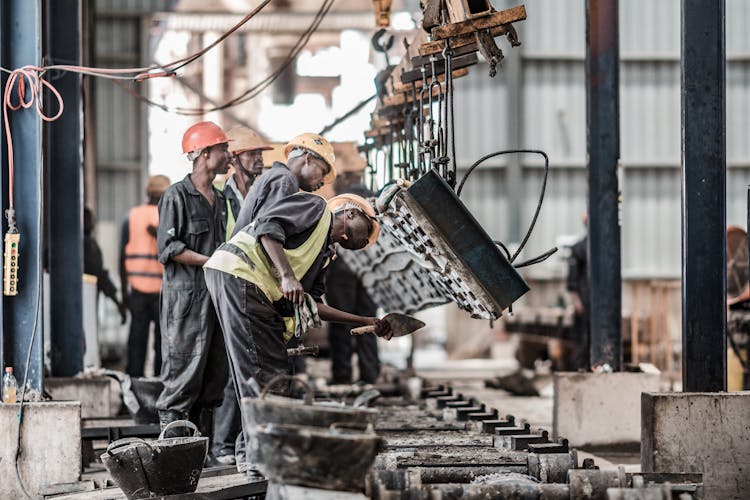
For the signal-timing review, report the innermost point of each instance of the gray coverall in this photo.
(195, 367)
(253, 326)
(271, 186)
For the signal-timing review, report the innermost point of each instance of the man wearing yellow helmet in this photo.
(249, 279)
(310, 165)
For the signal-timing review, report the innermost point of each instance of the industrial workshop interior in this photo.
(386, 249)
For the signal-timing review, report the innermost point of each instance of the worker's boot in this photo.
(205, 423)
(169, 416)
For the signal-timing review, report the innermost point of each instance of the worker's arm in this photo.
(290, 285)
(577, 303)
(124, 238)
(190, 258)
(175, 229)
(328, 313)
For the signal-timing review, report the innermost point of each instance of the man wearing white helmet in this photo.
(249, 277)
(246, 149)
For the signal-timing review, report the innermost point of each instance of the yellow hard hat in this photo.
(318, 145)
(244, 139)
(348, 200)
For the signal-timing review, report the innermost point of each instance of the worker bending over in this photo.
(246, 149)
(192, 217)
(310, 160)
(262, 279)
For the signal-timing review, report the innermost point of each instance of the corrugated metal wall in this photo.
(119, 138)
(120, 119)
(553, 118)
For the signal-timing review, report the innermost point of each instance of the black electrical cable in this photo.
(346, 115)
(291, 57)
(537, 259)
(454, 175)
(223, 37)
(541, 195)
(37, 306)
(504, 248)
(256, 89)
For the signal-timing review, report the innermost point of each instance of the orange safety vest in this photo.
(141, 254)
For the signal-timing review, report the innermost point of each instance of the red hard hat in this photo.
(202, 135)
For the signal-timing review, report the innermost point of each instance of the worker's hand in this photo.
(292, 290)
(577, 304)
(123, 312)
(382, 329)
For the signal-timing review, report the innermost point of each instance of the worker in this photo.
(577, 284)
(346, 292)
(310, 165)
(93, 263)
(192, 224)
(269, 272)
(140, 276)
(246, 150)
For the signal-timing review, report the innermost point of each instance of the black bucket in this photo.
(334, 459)
(280, 410)
(168, 466)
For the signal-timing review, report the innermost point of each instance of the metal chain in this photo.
(450, 113)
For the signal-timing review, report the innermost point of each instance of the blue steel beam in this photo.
(603, 146)
(21, 39)
(64, 162)
(704, 312)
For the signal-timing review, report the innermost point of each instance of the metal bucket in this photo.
(334, 459)
(168, 466)
(280, 410)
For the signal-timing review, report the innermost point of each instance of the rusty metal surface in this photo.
(439, 459)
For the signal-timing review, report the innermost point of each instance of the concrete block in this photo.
(50, 446)
(600, 409)
(93, 393)
(706, 433)
(291, 492)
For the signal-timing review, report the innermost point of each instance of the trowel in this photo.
(401, 324)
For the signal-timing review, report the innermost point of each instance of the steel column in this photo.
(64, 159)
(703, 196)
(20, 39)
(603, 147)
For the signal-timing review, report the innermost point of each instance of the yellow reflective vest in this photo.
(254, 266)
(231, 216)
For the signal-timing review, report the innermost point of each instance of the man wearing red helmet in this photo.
(192, 224)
